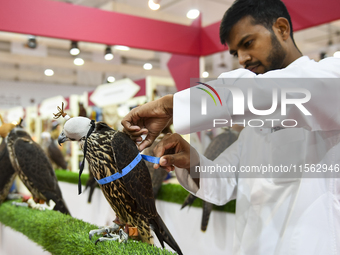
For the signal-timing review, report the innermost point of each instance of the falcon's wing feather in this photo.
(56, 155)
(7, 172)
(219, 143)
(138, 181)
(3, 149)
(36, 166)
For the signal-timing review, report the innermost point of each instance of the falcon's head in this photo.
(6, 128)
(75, 129)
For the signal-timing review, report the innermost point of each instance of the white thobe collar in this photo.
(299, 61)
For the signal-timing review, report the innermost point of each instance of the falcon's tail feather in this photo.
(188, 201)
(61, 206)
(92, 187)
(163, 234)
(207, 207)
(92, 183)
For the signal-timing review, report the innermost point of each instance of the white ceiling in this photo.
(19, 63)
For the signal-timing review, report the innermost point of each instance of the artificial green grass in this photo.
(61, 234)
(71, 177)
(174, 193)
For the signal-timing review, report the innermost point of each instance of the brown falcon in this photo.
(34, 169)
(51, 149)
(217, 145)
(7, 173)
(131, 197)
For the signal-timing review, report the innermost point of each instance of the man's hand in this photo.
(148, 119)
(175, 151)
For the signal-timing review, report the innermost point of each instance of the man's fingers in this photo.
(180, 160)
(143, 145)
(163, 161)
(168, 142)
(136, 133)
(128, 126)
(149, 139)
(132, 128)
(130, 118)
(167, 168)
(171, 152)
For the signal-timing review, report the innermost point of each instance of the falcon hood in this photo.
(75, 129)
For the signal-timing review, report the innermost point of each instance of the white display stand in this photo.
(183, 224)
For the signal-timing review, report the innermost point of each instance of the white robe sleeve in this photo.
(219, 188)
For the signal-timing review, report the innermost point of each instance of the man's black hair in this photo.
(263, 12)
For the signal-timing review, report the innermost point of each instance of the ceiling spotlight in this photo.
(49, 72)
(78, 61)
(121, 47)
(336, 54)
(32, 42)
(193, 14)
(147, 66)
(108, 53)
(154, 4)
(111, 79)
(205, 74)
(74, 48)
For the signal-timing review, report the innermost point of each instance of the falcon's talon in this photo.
(23, 204)
(109, 229)
(103, 239)
(95, 231)
(123, 237)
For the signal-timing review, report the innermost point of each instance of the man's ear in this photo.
(282, 27)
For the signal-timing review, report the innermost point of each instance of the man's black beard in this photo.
(276, 55)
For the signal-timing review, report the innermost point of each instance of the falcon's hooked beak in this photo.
(62, 138)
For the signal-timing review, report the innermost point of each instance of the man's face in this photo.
(256, 48)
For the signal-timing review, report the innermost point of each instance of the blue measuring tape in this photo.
(128, 168)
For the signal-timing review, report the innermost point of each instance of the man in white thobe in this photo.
(276, 213)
